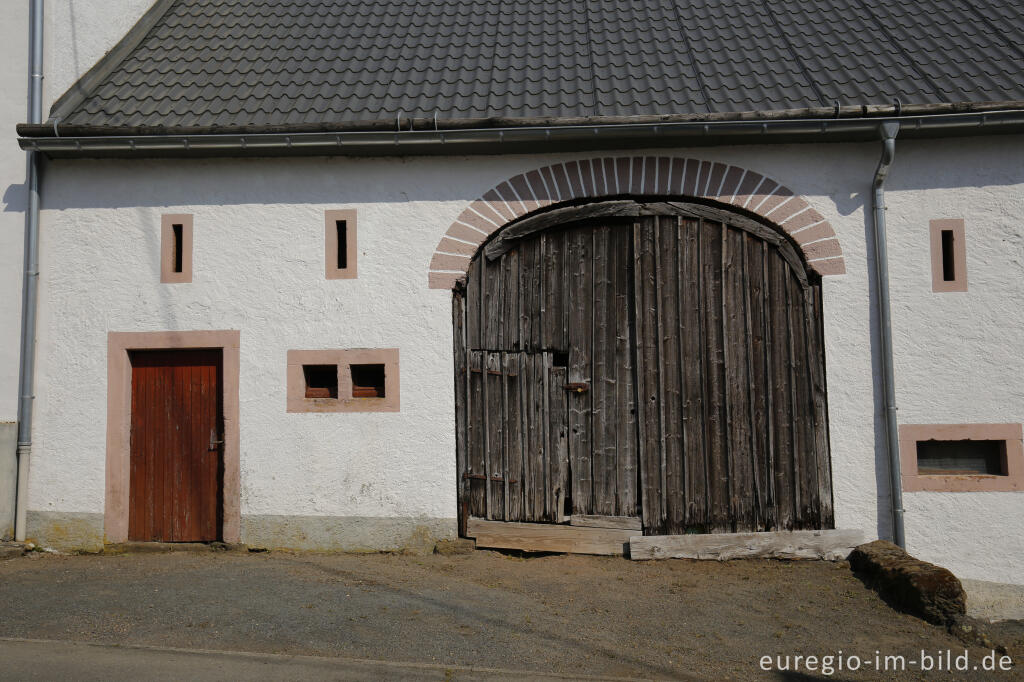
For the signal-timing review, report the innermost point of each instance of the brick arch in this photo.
(638, 175)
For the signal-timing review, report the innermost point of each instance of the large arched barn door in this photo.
(661, 361)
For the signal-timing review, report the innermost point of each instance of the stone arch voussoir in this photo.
(638, 175)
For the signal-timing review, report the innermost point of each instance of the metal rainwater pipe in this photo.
(30, 290)
(888, 132)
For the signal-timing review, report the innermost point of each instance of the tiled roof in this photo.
(226, 63)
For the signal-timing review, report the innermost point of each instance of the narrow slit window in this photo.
(948, 257)
(176, 248)
(342, 227)
(368, 381)
(340, 252)
(179, 246)
(961, 458)
(321, 381)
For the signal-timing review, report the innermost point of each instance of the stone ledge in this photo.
(917, 587)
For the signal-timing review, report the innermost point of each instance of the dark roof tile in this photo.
(293, 62)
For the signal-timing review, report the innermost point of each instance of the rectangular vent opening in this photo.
(342, 227)
(948, 257)
(367, 381)
(321, 381)
(178, 247)
(961, 457)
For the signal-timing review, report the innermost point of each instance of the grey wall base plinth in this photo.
(70, 531)
(65, 531)
(8, 477)
(346, 533)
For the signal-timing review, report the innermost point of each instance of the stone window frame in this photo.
(343, 359)
(167, 223)
(1010, 434)
(331, 269)
(936, 228)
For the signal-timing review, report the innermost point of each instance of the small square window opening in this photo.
(321, 381)
(368, 381)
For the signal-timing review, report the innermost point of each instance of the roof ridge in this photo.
(82, 88)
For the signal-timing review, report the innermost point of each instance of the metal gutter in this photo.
(30, 288)
(525, 138)
(888, 133)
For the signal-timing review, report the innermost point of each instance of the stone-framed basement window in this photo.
(344, 380)
(962, 457)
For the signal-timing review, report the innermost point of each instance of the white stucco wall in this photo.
(13, 196)
(258, 267)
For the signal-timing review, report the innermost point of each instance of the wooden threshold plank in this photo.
(831, 545)
(542, 537)
(592, 521)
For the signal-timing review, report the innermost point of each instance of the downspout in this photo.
(888, 132)
(29, 292)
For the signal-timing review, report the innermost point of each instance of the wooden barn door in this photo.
(176, 446)
(661, 361)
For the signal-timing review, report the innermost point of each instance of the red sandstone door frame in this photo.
(119, 377)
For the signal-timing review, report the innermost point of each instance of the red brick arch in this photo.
(638, 176)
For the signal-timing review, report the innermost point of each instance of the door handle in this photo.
(214, 443)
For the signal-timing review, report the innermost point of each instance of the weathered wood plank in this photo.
(495, 426)
(816, 358)
(513, 405)
(491, 299)
(692, 362)
(540, 537)
(737, 383)
(714, 379)
(626, 479)
(830, 545)
(604, 379)
(555, 291)
(558, 217)
(580, 368)
(461, 401)
(477, 465)
(809, 510)
(558, 440)
(647, 375)
(670, 397)
(474, 305)
(754, 307)
(509, 322)
(592, 521)
(781, 395)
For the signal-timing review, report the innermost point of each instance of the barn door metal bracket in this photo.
(577, 387)
(483, 477)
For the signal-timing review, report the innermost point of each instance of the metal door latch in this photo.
(578, 387)
(214, 443)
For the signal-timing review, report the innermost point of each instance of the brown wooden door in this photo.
(176, 434)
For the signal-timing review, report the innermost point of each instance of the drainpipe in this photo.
(888, 133)
(29, 292)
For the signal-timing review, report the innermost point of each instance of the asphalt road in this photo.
(476, 616)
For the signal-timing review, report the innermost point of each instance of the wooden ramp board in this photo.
(620, 522)
(542, 537)
(831, 545)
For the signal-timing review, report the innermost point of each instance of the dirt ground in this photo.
(575, 615)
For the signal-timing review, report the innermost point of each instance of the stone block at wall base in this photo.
(65, 531)
(347, 533)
